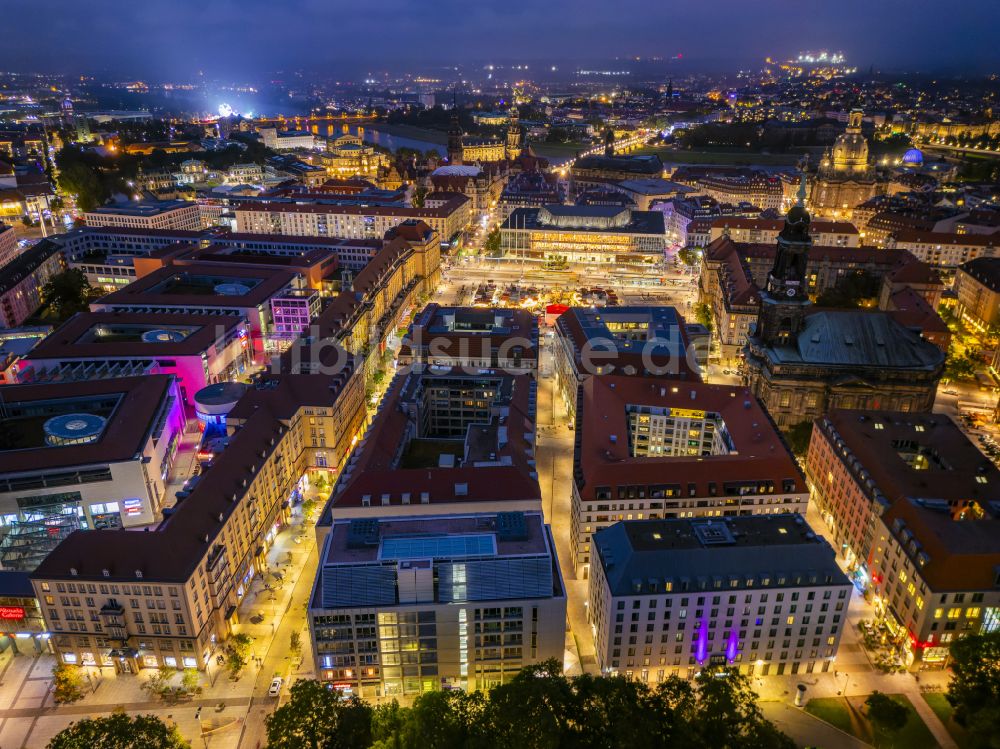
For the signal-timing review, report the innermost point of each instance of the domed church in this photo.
(845, 179)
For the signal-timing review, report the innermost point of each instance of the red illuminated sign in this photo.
(11, 612)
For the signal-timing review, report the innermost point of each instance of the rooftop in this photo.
(747, 447)
(935, 481)
(655, 556)
(121, 334)
(399, 461)
(28, 409)
(142, 208)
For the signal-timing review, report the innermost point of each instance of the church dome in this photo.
(913, 157)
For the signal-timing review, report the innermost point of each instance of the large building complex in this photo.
(594, 234)
(801, 362)
(197, 349)
(350, 221)
(444, 442)
(670, 597)
(473, 338)
(93, 454)
(170, 597)
(634, 341)
(654, 448)
(404, 605)
(912, 505)
(178, 215)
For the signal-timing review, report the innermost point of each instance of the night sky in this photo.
(173, 38)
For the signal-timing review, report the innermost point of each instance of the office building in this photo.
(671, 597)
(197, 349)
(405, 605)
(472, 338)
(180, 215)
(94, 454)
(171, 597)
(634, 341)
(443, 443)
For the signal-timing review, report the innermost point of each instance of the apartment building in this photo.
(977, 287)
(944, 249)
(651, 449)
(328, 219)
(766, 230)
(762, 594)
(405, 605)
(912, 505)
(170, 597)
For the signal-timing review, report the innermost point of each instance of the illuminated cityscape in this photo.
(574, 375)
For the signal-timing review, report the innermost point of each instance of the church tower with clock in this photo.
(785, 301)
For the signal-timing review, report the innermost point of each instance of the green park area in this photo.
(945, 712)
(852, 716)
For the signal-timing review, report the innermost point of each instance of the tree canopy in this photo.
(119, 731)
(974, 690)
(317, 718)
(68, 292)
(538, 709)
(885, 712)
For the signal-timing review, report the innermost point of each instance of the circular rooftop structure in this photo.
(913, 157)
(218, 399)
(162, 336)
(231, 289)
(73, 429)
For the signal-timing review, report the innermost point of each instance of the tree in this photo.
(703, 314)
(237, 653)
(68, 292)
(798, 436)
(728, 714)
(158, 685)
(491, 245)
(295, 643)
(318, 718)
(974, 690)
(688, 256)
(81, 181)
(67, 684)
(885, 713)
(419, 194)
(119, 731)
(190, 680)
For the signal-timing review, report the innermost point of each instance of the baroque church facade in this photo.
(801, 362)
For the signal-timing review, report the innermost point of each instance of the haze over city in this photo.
(509, 376)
